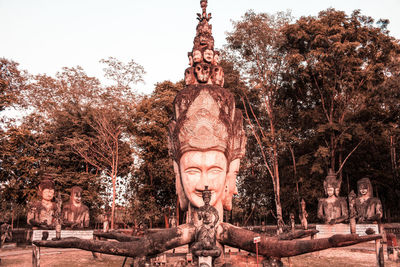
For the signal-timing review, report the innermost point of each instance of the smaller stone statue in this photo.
(369, 208)
(292, 222)
(172, 220)
(332, 209)
(303, 215)
(352, 211)
(42, 213)
(205, 244)
(75, 213)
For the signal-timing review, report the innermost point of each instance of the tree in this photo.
(335, 63)
(105, 150)
(153, 186)
(123, 74)
(253, 47)
(73, 108)
(12, 82)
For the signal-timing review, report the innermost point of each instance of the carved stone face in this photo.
(203, 168)
(337, 191)
(218, 75)
(208, 55)
(330, 191)
(216, 59)
(190, 61)
(197, 56)
(47, 194)
(363, 189)
(190, 78)
(230, 187)
(202, 72)
(77, 198)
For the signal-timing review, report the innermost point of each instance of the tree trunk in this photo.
(333, 152)
(113, 202)
(279, 215)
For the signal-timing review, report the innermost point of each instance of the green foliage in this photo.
(62, 110)
(153, 186)
(337, 66)
(329, 87)
(12, 83)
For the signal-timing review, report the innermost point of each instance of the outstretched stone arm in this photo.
(149, 245)
(127, 238)
(271, 246)
(297, 234)
(117, 236)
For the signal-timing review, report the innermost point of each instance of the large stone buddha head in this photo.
(206, 143)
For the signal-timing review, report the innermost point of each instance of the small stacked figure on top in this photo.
(203, 59)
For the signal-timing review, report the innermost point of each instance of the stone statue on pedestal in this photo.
(303, 215)
(42, 213)
(205, 244)
(75, 213)
(332, 209)
(369, 208)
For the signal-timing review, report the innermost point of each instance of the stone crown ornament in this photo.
(203, 59)
(331, 180)
(205, 117)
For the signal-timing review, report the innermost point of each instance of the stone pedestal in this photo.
(82, 234)
(205, 261)
(327, 230)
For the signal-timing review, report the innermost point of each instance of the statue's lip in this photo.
(200, 193)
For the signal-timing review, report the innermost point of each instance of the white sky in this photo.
(46, 35)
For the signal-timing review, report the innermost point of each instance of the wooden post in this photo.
(257, 252)
(380, 258)
(256, 240)
(379, 254)
(353, 225)
(35, 256)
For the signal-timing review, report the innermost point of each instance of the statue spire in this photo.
(204, 60)
(204, 15)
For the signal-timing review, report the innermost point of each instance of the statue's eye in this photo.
(192, 171)
(215, 171)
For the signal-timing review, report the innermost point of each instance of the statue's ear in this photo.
(230, 184)
(183, 201)
(40, 190)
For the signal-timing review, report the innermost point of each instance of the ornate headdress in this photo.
(205, 117)
(331, 181)
(46, 184)
(47, 180)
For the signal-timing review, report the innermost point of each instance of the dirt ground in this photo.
(339, 257)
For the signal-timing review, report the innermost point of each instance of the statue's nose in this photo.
(202, 183)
